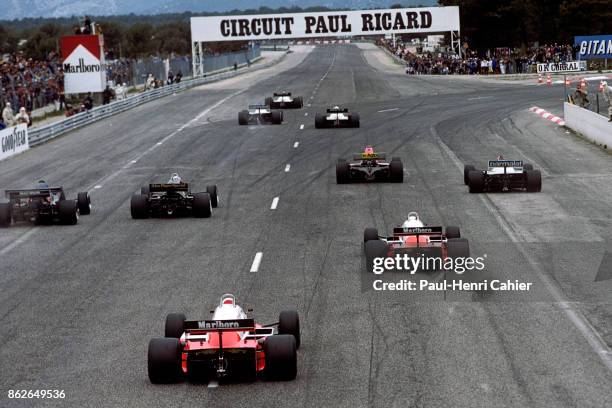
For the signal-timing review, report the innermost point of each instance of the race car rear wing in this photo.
(162, 187)
(505, 163)
(404, 231)
(29, 193)
(281, 94)
(364, 156)
(259, 107)
(339, 110)
(207, 326)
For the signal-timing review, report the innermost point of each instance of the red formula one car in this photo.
(229, 346)
(415, 239)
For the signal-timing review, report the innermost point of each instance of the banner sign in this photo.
(594, 46)
(14, 140)
(83, 63)
(570, 66)
(325, 24)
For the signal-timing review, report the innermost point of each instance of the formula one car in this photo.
(337, 117)
(229, 346)
(503, 175)
(416, 239)
(43, 205)
(173, 198)
(260, 114)
(369, 166)
(284, 100)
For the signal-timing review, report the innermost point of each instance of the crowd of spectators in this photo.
(495, 61)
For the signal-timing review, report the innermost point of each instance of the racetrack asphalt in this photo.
(79, 304)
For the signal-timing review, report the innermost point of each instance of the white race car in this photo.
(260, 114)
(284, 100)
(337, 117)
(503, 175)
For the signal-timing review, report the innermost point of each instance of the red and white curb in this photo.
(547, 115)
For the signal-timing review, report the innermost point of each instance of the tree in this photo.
(44, 40)
(8, 40)
(114, 39)
(140, 40)
(174, 38)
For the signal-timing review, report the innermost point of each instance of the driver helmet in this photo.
(500, 157)
(42, 184)
(368, 151)
(174, 179)
(413, 220)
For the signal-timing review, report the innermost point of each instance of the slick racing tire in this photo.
(320, 121)
(476, 181)
(175, 325)
(281, 357)
(67, 210)
(534, 181)
(354, 120)
(145, 190)
(139, 206)
(5, 214)
(214, 198)
(277, 117)
(243, 117)
(343, 172)
(370, 234)
(289, 323)
(164, 361)
(298, 102)
(374, 249)
(466, 173)
(84, 203)
(452, 232)
(202, 207)
(457, 248)
(396, 171)
(527, 166)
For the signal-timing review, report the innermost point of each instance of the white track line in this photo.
(256, 262)
(301, 127)
(23, 238)
(274, 203)
(388, 110)
(296, 144)
(287, 168)
(213, 384)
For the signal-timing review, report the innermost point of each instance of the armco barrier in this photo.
(48, 132)
(591, 125)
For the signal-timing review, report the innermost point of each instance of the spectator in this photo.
(607, 93)
(7, 115)
(88, 102)
(107, 95)
(580, 97)
(23, 117)
(178, 77)
(150, 82)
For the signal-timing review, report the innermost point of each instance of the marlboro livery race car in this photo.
(337, 117)
(43, 205)
(173, 198)
(415, 239)
(503, 175)
(260, 114)
(369, 166)
(229, 346)
(284, 100)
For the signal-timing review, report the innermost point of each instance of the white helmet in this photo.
(175, 179)
(413, 220)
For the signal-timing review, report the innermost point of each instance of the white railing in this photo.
(45, 133)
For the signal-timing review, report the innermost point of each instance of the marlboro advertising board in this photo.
(83, 63)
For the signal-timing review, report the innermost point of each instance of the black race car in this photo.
(284, 100)
(260, 114)
(503, 175)
(337, 117)
(173, 198)
(43, 205)
(369, 166)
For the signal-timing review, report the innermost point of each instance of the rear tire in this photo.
(299, 102)
(527, 166)
(243, 117)
(202, 207)
(476, 181)
(453, 232)
(139, 206)
(355, 120)
(289, 323)
(466, 172)
(5, 214)
(277, 117)
(343, 172)
(67, 210)
(534, 181)
(281, 357)
(396, 171)
(214, 198)
(319, 121)
(370, 234)
(84, 203)
(163, 361)
(374, 249)
(175, 325)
